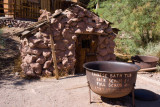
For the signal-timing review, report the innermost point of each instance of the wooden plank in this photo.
(6, 8)
(14, 9)
(7, 3)
(148, 69)
(6, 14)
(53, 52)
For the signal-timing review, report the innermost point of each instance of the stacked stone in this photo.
(14, 23)
(36, 55)
(64, 28)
(106, 48)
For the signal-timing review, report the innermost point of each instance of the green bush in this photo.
(138, 20)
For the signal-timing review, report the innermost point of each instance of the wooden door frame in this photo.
(81, 53)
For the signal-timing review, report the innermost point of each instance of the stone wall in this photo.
(36, 55)
(10, 22)
(36, 49)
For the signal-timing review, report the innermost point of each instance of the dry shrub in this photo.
(152, 49)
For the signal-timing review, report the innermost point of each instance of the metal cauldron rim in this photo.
(148, 56)
(92, 70)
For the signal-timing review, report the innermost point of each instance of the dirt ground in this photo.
(67, 92)
(71, 91)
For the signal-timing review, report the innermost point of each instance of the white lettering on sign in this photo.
(99, 74)
(114, 85)
(101, 84)
(101, 79)
(128, 75)
(115, 75)
(114, 80)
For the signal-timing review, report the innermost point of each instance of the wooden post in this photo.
(54, 57)
(14, 9)
(53, 53)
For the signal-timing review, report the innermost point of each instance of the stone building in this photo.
(79, 36)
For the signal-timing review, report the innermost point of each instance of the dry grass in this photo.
(151, 49)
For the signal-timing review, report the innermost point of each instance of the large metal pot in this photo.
(145, 61)
(111, 79)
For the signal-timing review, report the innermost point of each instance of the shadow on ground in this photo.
(71, 76)
(124, 101)
(9, 51)
(151, 99)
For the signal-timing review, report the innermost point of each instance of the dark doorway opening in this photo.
(86, 49)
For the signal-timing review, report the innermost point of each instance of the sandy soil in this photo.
(71, 91)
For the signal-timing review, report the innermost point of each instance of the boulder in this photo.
(56, 33)
(78, 31)
(107, 57)
(64, 60)
(46, 40)
(34, 51)
(112, 57)
(32, 45)
(46, 73)
(36, 40)
(106, 41)
(71, 47)
(109, 30)
(30, 73)
(74, 38)
(81, 25)
(47, 64)
(100, 30)
(65, 41)
(101, 39)
(30, 58)
(81, 14)
(36, 67)
(46, 53)
(72, 20)
(53, 20)
(38, 35)
(112, 44)
(102, 46)
(100, 58)
(103, 52)
(70, 53)
(88, 14)
(41, 60)
(89, 29)
(42, 45)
